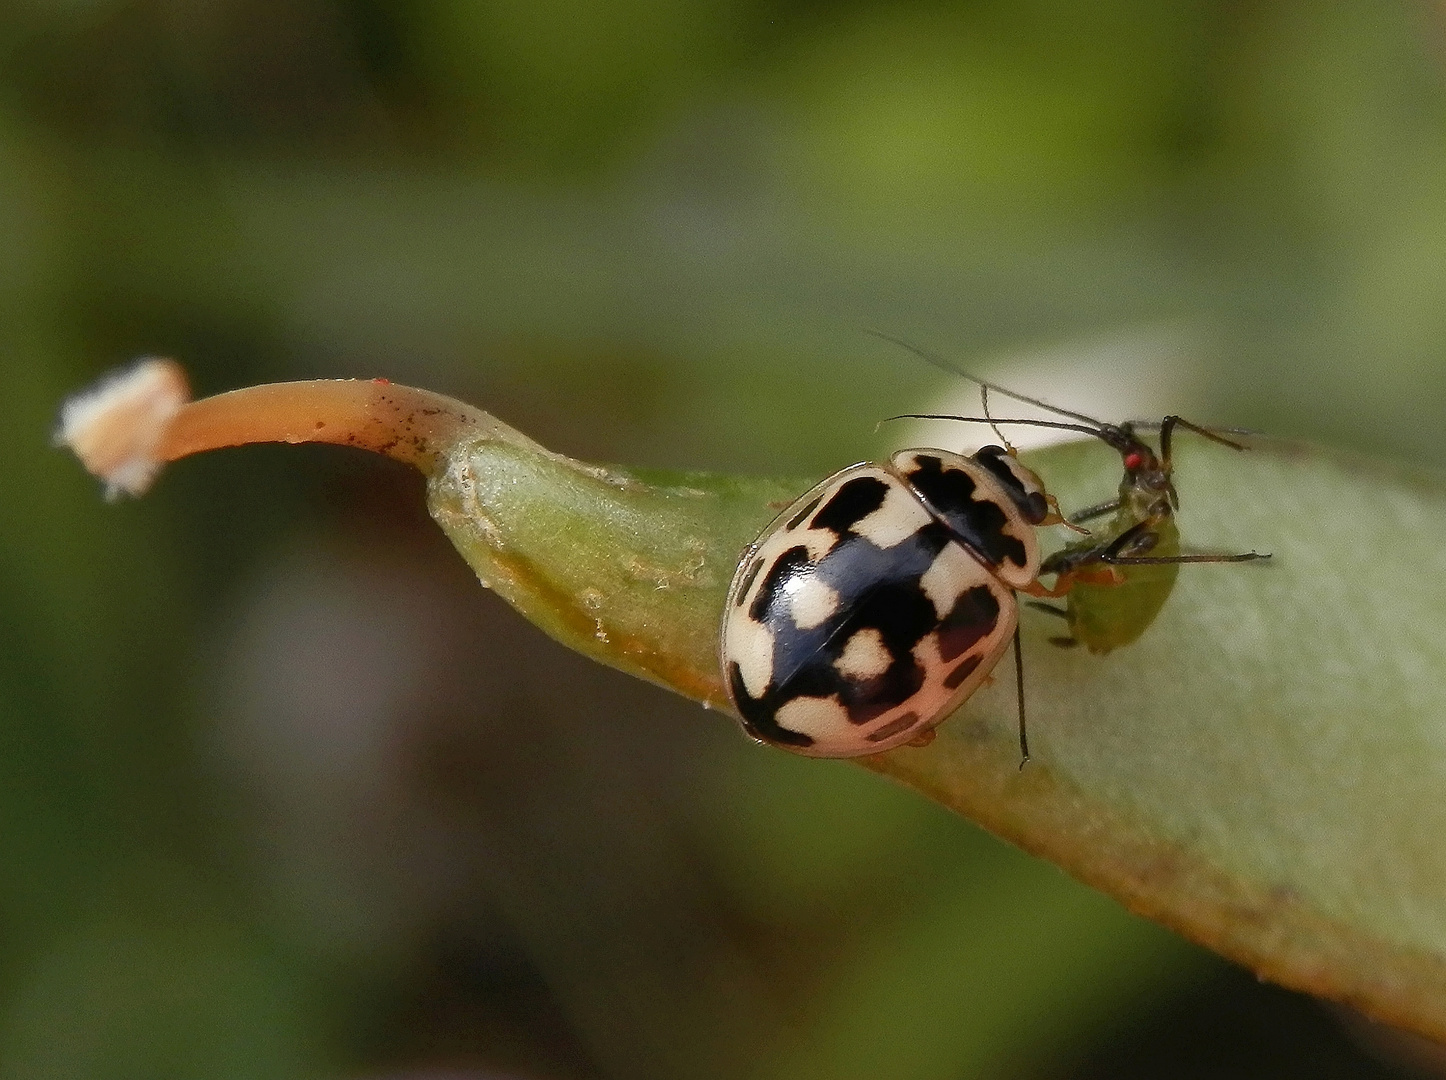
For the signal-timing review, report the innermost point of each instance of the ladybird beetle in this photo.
(873, 606)
(881, 599)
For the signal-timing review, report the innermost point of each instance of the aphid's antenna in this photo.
(993, 420)
(944, 365)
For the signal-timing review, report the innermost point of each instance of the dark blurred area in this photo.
(283, 793)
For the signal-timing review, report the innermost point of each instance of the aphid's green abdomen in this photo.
(1104, 617)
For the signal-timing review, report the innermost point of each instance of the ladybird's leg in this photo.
(1065, 562)
(1104, 574)
(1056, 517)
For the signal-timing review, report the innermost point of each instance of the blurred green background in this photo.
(284, 794)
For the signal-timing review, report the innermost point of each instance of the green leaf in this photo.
(1263, 770)
(630, 568)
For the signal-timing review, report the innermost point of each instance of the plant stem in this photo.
(126, 426)
(402, 422)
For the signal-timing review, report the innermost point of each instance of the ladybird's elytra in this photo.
(880, 600)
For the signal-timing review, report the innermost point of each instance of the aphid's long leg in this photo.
(1155, 425)
(1063, 641)
(1097, 510)
(1169, 424)
(1066, 563)
(1167, 464)
(1135, 560)
(1139, 538)
(1167, 430)
(1214, 434)
(1019, 694)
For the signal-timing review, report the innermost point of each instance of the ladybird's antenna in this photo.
(944, 365)
(984, 401)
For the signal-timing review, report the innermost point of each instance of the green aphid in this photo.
(1118, 579)
(1103, 617)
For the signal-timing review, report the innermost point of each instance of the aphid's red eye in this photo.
(1134, 460)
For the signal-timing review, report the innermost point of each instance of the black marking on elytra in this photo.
(1032, 504)
(978, 523)
(761, 724)
(956, 678)
(893, 727)
(798, 518)
(792, 563)
(747, 582)
(878, 589)
(851, 503)
(974, 617)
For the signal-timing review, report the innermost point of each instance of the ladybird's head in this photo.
(1022, 485)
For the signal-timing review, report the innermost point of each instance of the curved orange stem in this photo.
(130, 423)
(403, 422)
